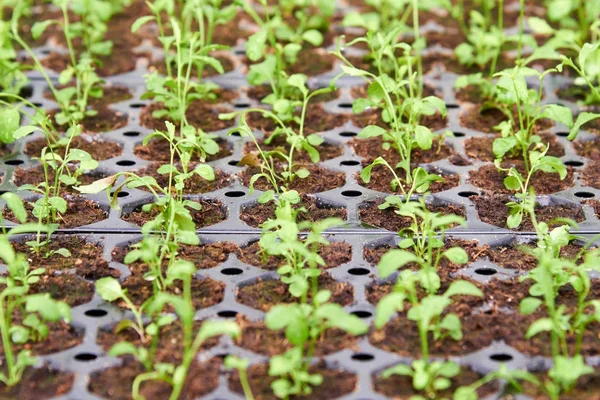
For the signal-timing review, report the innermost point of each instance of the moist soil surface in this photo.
(256, 215)
(370, 214)
(208, 71)
(110, 94)
(265, 293)
(61, 336)
(370, 149)
(311, 62)
(401, 387)
(373, 117)
(485, 121)
(35, 176)
(69, 288)
(316, 120)
(319, 180)
(489, 178)
(334, 255)
(159, 150)
(121, 60)
(381, 178)
(205, 291)
(492, 209)
(86, 258)
(193, 185)
(591, 175)
(336, 383)
(80, 212)
(589, 148)
(210, 213)
(200, 114)
(39, 383)
(105, 120)
(326, 150)
(204, 256)
(481, 148)
(97, 147)
(116, 382)
(260, 92)
(258, 338)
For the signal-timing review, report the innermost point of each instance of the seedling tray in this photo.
(364, 359)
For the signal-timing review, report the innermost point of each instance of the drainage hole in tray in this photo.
(362, 314)
(131, 133)
(85, 357)
(120, 194)
(349, 163)
(459, 134)
(137, 105)
(501, 357)
(562, 134)
(351, 193)
(467, 194)
(14, 162)
(235, 193)
(345, 105)
(362, 357)
(241, 105)
(125, 163)
(232, 271)
(96, 313)
(236, 133)
(233, 163)
(359, 271)
(348, 134)
(573, 163)
(487, 271)
(584, 195)
(227, 314)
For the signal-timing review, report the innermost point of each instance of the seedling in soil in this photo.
(277, 44)
(280, 237)
(23, 316)
(241, 365)
(304, 324)
(398, 96)
(278, 166)
(586, 66)
(12, 76)
(431, 316)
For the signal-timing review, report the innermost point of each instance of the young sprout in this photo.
(304, 324)
(398, 96)
(431, 317)
(278, 166)
(278, 43)
(241, 365)
(23, 316)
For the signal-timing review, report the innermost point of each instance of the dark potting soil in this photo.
(481, 147)
(205, 291)
(448, 62)
(104, 121)
(170, 340)
(373, 254)
(86, 257)
(201, 114)
(489, 178)
(373, 117)
(370, 214)
(210, 213)
(401, 387)
(116, 382)
(361, 91)
(80, 212)
(311, 62)
(512, 257)
(469, 94)
(110, 94)
(573, 93)
(98, 148)
(334, 255)
(474, 118)
(587, 388)
(260, 92)
(316, 120)
(255, 215)
(70, 288)
(194, 185)
(370, 149)
(319, 180)
(257, 338)
(381, 178)
(39, 383)
(591, 174)
(493, 210)
(335, 383)
(326, 150)
(208, 71)
(61, 336)
(588, 147)
(204, 256)
(159, 150)
(35, 176)
(264, 294)
(121, 60)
